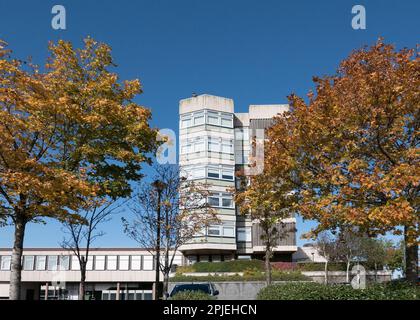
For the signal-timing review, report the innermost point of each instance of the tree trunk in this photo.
(411, 258)
(326, 272)
(16, 261)
(267, 263)
(165, 284)
(82, 286)
(348, 272)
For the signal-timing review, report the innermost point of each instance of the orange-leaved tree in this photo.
(69, 135)
(353, 150)
(267, 200)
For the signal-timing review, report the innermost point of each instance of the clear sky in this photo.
(255, 52)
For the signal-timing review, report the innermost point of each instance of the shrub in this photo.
(192, 295)
(284, 265)
(249, 275)
(228, 266)
(317, 291)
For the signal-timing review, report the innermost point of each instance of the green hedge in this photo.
(249, 275)
(192, 295)
(228, 266)
(242, 265)
(317, 291)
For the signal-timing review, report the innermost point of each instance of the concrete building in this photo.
(216, 143)
(308, 253)
(112, 274)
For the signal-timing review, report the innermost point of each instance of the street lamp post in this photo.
(159, 186)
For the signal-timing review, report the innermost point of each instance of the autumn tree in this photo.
(69, 133)
(184, 213)
(352, 149)
(267, 201)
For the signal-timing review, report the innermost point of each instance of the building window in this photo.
(199, 118)
(244, 234)
(221, 200)
(213, 201)
(111, 262)
(213, 173)
(227, 175)
(199, 173)
(213, 119)
(221, 172)
(135, 262)
(228, 231)
(89, 264)
(226, 122)
(148, 262)
(213, 231)
(185, 123)
(28, 263)
(227, 202)
(191, 260)
(223, 230)
(40, 263)
(75, 265)
(123, 262)
(64, 262)
(214, 146)
(99, 262)
(5, 262)
(227, 147)
(52, 263)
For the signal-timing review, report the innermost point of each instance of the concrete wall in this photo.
(340, 276)
(248, 290)
(234, 290)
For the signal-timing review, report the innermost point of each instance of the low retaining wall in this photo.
(340, 276)
(234, 290)
(248, 290)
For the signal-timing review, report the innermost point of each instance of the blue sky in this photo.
(254, 52)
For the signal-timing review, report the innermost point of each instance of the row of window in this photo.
(206, 117)
(207, 258)
(131, 295)
(243, 234)
(213, 172)
(221, 172)
(201, 144)
(226, 231)
(95, 262)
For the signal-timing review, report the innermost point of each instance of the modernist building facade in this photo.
(112, 274)
(215, 144)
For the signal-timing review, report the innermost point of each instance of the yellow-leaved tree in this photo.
(352, 150)
(70, 135)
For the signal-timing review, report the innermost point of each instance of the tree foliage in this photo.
(70, 135)
(352, 150)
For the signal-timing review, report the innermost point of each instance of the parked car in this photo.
(204, 287)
